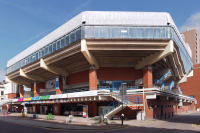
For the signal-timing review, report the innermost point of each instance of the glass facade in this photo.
(108, 32)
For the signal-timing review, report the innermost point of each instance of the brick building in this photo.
(85, 61)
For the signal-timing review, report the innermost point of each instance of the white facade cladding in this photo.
(100, 18)
(11, 88)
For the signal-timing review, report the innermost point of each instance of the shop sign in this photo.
(56, 96)
(80, 94)
(44, 97)
(27, 99)
(35, 98)
(48, 101)
(14, 100)
(61, 101)
(65, 101)
(20, 99)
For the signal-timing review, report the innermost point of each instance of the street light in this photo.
(122, 93)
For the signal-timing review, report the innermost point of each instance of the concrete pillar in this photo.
(147, 77)
(93, 78)
(36, 108)
(92, 108)
(57, 108)
(21, 91)
(59, 82)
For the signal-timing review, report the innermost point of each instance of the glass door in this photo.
(116, 85)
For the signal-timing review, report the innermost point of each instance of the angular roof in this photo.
(98, 18)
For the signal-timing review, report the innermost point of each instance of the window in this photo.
(1, 98)
(2, 93)
(54, 47)
(140, 32)
(47, 50)
(87, 31)
(67, 40)
(98, 32)
(132, 33)
(58, 44)
(72, 37)
(196, 56)
(165, 32)
(106, 32)
(50, 48)
(123, 32)
(62, 42)
(196, 43)
(195, 47)
(115, 32)
(149, 33)
(196, 38)
(78, 34)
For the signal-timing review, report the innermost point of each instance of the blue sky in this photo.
(24, 22)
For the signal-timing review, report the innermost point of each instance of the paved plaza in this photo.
(183, 123)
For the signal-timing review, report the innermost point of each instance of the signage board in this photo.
(76, 94)
(50, 84)
(34, 87)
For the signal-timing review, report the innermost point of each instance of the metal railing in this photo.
(126, 99)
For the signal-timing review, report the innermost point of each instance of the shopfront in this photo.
(75, 109)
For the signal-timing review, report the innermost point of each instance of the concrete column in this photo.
(21, 91)
(57, 109)
(92, 108)
(35, 108)
(93, 78)
(147, 77)
(60, 85)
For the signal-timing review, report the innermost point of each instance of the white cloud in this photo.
(2, 75)
(193, 22)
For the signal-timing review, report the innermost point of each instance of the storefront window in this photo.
(54, 47)
(62, 42)
(50, 48)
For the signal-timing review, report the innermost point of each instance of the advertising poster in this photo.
(85, 111)
(57, 83)
(56, 108)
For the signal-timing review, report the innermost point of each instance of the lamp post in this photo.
(123, 92)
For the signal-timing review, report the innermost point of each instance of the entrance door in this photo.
(116, 85)
(161, 111)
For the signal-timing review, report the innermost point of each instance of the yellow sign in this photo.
(27, 99)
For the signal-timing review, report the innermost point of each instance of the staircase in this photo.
(116, 106)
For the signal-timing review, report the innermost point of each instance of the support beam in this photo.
(31, 77)
(157, 56)
(91, 59)
(20, 82)
(56, 70)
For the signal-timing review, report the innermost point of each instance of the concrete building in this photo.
(191, 37)
(85, 62)
(1, 93)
